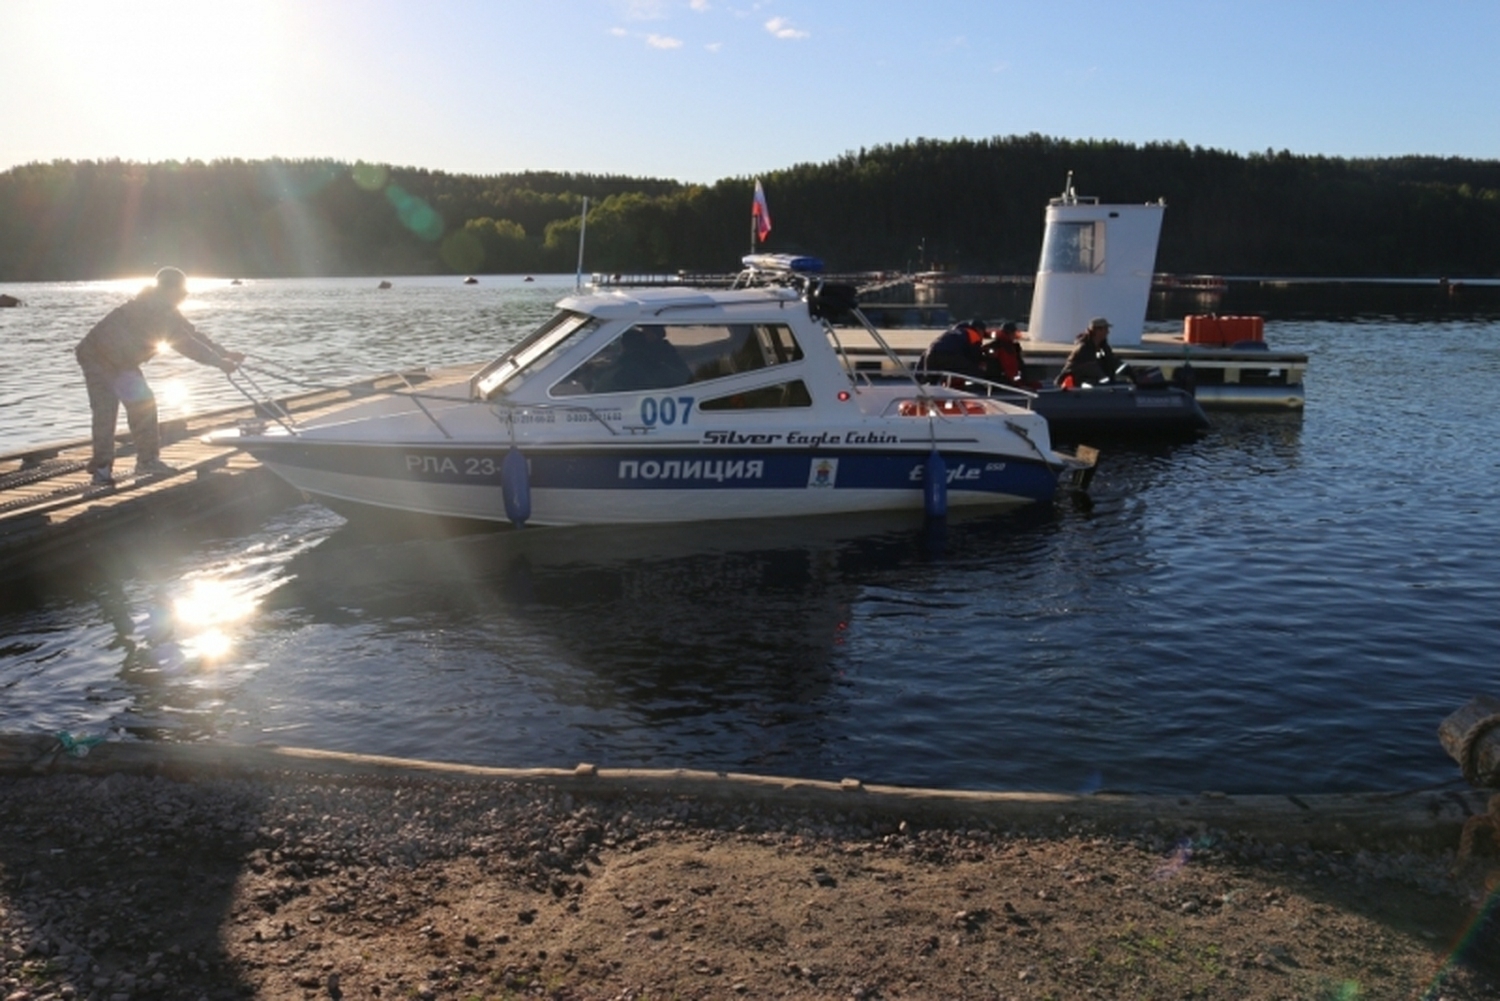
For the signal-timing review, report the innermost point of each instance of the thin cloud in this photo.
(782, 28)
(663, 42)
(642, 10)
(699, 5)
(714, 46)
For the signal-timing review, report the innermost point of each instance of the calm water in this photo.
(1292, 604)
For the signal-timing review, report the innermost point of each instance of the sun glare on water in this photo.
(132, 286)
(205, 614)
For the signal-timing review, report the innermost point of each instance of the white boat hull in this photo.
(637, 487)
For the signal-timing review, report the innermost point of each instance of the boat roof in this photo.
(638, 301)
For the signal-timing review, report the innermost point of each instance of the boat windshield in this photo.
(533, 352)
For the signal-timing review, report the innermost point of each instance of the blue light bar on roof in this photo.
(783, 262)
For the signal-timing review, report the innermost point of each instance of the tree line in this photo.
(964, 205)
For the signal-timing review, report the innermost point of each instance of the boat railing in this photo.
(978, 386)
(267, 406)
(968, 384)
(416, 397)
(853, 371)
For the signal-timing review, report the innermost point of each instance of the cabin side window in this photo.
(667, 355)
(783, 394)
(1074, 248)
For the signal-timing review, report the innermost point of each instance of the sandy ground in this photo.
(120, 886)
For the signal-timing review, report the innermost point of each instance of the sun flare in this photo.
(181, 74)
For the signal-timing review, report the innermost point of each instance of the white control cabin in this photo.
(1097, 260)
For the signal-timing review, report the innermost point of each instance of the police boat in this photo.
(672, 405)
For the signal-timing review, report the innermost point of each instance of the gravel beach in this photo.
(120, 884)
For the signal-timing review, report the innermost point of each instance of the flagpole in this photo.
(583, 230)
(752, 220)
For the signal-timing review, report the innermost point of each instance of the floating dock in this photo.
(1227, 378)
(50, 512)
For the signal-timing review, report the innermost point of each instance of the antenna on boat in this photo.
(583, 230)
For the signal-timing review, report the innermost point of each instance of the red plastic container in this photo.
(1223, 331)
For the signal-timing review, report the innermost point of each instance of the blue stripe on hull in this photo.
(669, 469)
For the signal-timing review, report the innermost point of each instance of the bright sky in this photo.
(700, 90)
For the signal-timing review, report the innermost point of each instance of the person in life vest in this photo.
(111, 355)
(959, 349)
(1004, 362)
(1092, 361)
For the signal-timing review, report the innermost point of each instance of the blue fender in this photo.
(935, 486)
(515, 487)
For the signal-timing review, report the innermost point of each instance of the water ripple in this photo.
(1292, 603)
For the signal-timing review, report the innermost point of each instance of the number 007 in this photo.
(665, 410)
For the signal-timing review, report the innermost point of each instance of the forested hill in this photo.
(974, 206)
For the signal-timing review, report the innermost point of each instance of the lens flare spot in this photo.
(173, 395)
(415, 214)
(370, 176)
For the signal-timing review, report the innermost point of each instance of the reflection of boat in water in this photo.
(666, 620)
(671, 405)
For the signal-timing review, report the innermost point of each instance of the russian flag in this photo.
(760, 213)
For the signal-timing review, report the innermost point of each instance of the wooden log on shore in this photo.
(1349, 821)
(1471, 736)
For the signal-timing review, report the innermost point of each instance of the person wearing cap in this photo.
(111, 355)
(1003, 361)
(959, 350)
(1092, 361)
